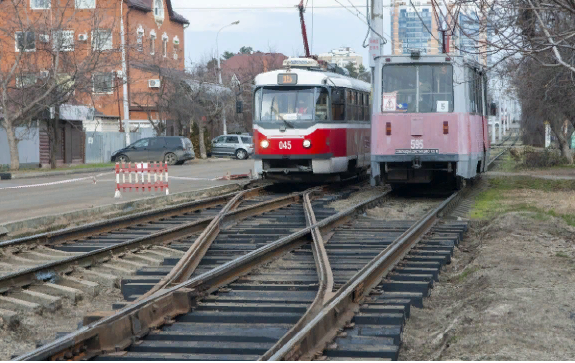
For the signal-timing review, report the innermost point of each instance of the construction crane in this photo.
(303, 29)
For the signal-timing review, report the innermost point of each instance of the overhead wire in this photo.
(363, 21)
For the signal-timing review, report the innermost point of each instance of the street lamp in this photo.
(220, 71)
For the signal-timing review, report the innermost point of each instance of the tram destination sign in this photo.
(287, 78)
(416, 151)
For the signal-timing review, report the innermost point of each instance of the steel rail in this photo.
(490, 163)
(29, 276)
(325, 278)
(338, 311)
(186, 266)
(120, 329)
(91, 229)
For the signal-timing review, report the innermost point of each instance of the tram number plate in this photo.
(416, 151)
(285, 145)
(416, 144)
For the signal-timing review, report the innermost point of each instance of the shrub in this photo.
(542, 159)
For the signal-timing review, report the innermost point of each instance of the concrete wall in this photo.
(29, 147)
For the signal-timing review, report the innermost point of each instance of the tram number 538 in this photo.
(285, 145)
(416, 144)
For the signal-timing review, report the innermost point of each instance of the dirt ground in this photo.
(402, 208)
(394, 208)
(39, 329)
(507, 295)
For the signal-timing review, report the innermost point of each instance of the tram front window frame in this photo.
(291, 106)
(428, 83)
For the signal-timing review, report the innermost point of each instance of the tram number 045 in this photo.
(416, 144)
(285, 145)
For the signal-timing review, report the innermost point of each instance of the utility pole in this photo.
(225, 129)
(375, 63)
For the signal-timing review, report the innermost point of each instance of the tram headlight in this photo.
(264, 144)
(307, 144)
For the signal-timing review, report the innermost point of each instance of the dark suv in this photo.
(171, 149)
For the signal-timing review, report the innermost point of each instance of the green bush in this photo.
(195, 138)
(542, 159)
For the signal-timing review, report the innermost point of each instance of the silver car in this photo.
(240, 146)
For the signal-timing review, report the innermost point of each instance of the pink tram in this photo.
(311, 123)
(431, 124)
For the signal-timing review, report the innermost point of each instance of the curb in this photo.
(46, 222)
(52, 173)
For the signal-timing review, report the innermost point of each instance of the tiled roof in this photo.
(146, 5)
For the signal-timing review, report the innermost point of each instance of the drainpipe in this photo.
(124, 76)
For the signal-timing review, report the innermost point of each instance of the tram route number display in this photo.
(416, 151)
(287, 78)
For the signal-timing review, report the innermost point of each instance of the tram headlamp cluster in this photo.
(307, 144)
(264, 144)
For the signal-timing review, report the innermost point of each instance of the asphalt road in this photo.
(18, 204)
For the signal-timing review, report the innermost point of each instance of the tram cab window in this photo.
(291, 104)
(435, 88)
(338, 104)
(420, 88)
(401, 79)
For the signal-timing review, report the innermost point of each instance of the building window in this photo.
(85, 4)
(152, 44)
(103, 82)
(158, 9)
(26, 80)
(140, 39)
(102, 39)
(25, 41)
(63, 40)
(165, 45)
(176, 47)
(40, 4)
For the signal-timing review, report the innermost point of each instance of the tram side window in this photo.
(366, 108)
(479, 93)
(349, 106)
(338, 104)
(360, 108)
(471, 80)
(321, 113)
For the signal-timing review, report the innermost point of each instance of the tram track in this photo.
(316, 292)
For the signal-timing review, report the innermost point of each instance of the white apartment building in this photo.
(342, 56)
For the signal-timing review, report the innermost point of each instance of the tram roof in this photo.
(312, 78)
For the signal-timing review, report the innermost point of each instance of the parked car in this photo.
(171, 149)
(239, 146)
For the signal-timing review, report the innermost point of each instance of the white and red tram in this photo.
(310, 124)
(429, 124)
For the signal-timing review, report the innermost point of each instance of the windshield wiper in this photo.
(278, 114)
(286, 122)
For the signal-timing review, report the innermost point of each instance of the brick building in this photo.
(85, 36)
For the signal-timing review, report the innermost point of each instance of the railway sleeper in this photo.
(377, 332)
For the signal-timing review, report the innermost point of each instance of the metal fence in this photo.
(101, 145)
(28, 147)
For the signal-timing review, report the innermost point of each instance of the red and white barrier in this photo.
(137, 175)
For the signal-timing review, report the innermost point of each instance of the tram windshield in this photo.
(419, 88)
(291, 104)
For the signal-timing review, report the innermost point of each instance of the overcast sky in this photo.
(272, 25)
